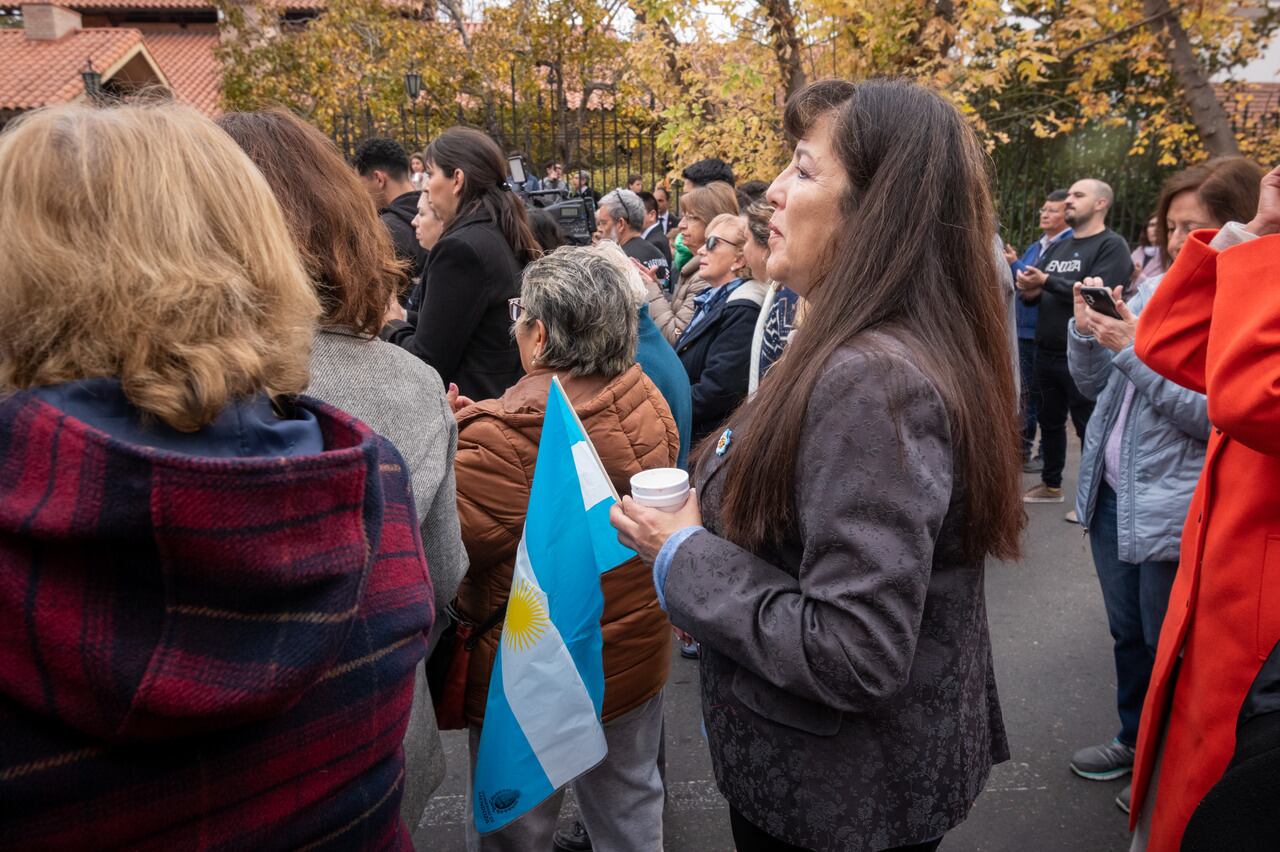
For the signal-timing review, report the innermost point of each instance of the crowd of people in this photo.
(265, 465)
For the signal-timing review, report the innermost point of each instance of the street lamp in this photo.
(412, 84)
(92, 80)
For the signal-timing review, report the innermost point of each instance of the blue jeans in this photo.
(1136, 596)
(1028, 393)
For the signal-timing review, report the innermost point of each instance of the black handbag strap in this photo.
(486, 625)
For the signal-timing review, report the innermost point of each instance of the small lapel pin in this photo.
(722, 446)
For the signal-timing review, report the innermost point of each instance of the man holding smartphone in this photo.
(1092, 250)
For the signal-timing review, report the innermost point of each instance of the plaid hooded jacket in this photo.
(204, 653)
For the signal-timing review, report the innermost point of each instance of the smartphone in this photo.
(515, 164)
(1099, 298)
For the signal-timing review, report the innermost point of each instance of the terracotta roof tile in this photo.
(1250, 100)
(37, 73)
(187, 60)
(181, 5)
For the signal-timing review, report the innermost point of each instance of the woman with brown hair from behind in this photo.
(349, 258)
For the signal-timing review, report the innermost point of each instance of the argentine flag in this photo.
(542, 720)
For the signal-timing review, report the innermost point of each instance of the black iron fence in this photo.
(610, 147)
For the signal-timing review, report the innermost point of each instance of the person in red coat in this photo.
(1214, 327)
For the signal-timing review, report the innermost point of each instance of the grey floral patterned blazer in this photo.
(847, 679)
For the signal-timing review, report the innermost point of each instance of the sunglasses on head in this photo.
(514, 309)
(714, 241)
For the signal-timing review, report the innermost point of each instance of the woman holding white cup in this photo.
(665, 488)
(832, 563)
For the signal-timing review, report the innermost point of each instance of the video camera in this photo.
(575, 214)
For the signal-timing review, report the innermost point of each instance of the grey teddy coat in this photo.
(847, 680)
(1161, 451)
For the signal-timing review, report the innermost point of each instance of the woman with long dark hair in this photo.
(837, 590)
(462, 327)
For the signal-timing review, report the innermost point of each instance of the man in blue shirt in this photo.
(1054, 225)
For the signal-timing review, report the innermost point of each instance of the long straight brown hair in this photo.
(916, 259)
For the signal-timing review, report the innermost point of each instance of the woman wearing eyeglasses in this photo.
(715, 346)
(576, 318)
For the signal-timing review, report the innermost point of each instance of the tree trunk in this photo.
(459, 19)
(1206, 111)
(786, 44)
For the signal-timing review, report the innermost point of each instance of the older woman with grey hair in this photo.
(576, 318)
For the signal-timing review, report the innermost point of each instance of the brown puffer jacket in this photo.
(633, 430)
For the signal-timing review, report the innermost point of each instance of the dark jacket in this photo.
(659, 362)
(463, 327)
(398, 217)
(204, 652)
(1028, 315)
(659, 239)
(716, 353)
(847, 681)
(1105, 255)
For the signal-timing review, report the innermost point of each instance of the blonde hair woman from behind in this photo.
(234, 568)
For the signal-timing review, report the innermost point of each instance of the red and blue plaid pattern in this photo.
(204, 653)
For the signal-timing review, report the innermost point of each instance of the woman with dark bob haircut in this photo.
(837, 591)
(462, 328)
(348, 255)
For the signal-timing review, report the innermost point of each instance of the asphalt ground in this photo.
(1057, 686)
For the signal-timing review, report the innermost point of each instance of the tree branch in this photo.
(1150, 19)
(456, 14)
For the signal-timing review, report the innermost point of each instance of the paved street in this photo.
(1056, 681)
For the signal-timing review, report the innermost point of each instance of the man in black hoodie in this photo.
(383, 166)
(1092, 250)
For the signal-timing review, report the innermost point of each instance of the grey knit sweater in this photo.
(401, 398)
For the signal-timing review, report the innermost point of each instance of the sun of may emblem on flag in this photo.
(526, 619)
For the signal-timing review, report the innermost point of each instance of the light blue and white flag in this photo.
(542, 720)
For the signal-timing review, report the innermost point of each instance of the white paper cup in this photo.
(664, 488)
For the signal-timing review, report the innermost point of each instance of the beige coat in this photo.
(672, 315)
